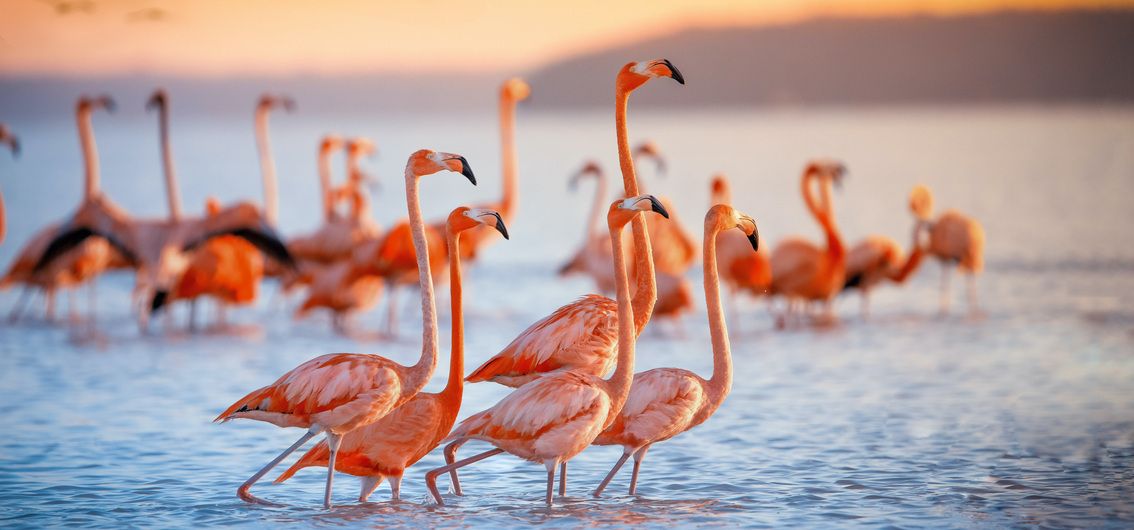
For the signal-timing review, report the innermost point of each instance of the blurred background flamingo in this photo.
(955, 239)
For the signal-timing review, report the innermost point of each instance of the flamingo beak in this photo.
(674, 72)
(499, 226)
(159, 300)
(466, 170)
(656, 206)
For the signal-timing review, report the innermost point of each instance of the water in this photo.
(1022, 418)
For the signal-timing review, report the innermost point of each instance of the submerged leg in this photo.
(638, 456)
(369, 484)
(865, 304)
(391, 310)
(609, 476)
(974, 306)
(431, 476)
(450, 457)
(945, 268)
(396, 488)
(20, 303)
(333, 442)
(551, 465)
(563, 478)
(193, 315)
(242, 491)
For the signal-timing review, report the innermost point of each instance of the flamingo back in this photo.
(663, 403)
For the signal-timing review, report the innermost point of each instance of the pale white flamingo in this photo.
(555, 417)
(338, 393)
(582, 335)
(802, 271)
(955, 239)
(385, 448)
(665, 402)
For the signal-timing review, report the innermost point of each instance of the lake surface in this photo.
(1022, 418)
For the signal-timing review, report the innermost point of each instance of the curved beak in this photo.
(656, 206)
(158, 301)
(107, 103)
(466, 170)
(754, 237)
(287, 103)
(499, 226)
(156, 100)
(675, 73)
(14, 144)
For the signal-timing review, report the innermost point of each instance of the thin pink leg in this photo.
(450, 457)
(563, 478)
(551, 465)
(333, 442)
(610, 476)
(638, 456)
(431, 476)
(242, 491)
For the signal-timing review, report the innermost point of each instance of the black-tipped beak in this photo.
(500, 226)
(754, 238)
(15, 143)
(676, 73)
(109, 103)
(656, 206)
(467, 171)
(159, 300)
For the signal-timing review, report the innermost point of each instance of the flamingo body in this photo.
(958, 238)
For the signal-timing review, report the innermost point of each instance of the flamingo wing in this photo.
(582, 335)
(663, 403)
(244, 221)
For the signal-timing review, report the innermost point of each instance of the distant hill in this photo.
(1076, 56)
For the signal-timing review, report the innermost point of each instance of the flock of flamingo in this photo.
(376, 420)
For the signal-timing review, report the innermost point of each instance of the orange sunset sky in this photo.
(222, 37)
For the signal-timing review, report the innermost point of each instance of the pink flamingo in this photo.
(741, 269)
(555, 417)
(879, 258)
(13, 143)
(338, 393)
(385, 448)
(665, 402)
(955, 239)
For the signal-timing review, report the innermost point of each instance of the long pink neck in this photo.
(172, 193)
(646, 293)
(454, 388)
(721, 382)
(90, 152)
(360, 204)
(325, 183)
(913, 260)
(420, 373)
(509, 159)
(823, 214)
(623, 376)
(596, 206)
(267, 164)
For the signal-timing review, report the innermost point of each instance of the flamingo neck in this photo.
(913, 260)
(620, 380)
(508, 156)
(90, 153)
(596, 207)
(645, 294)
(420, 372)
(360, 203)
(455, 386)
(721, 382)
(267, 165)
(325, 184)
(822, 212)
(172, 192)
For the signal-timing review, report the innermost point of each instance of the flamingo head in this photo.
(591, 168)
(361, 146)
(636, 74)
(270, 101)
(650, 150)
(921, 202)
(623, 210)
(724, 217)
(426, 162)
(827, 169)
(720, 189)
(330, 143)
(515, 89)
(89, 104)
(212, 206)
(464, 218)
(6, 137)
(158, 100)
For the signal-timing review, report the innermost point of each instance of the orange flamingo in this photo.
(741, 269)
(555, 417)
(385, 448)
(13, 143)
(879, 258)
(513, 91)
(338, 393)
(582, 335)
(665, 402)
(86, 261)
(954, 238)
(801, 270)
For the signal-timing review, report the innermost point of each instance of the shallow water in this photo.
(1024, 417)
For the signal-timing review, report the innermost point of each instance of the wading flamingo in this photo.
(555, 417)
(741, 269)
(513, 91)
(85, 261)
(582, 335)
(802, 271)
(674, 247)
(338, 393)
(955, 239)
(665, 402)
(879, 258)
(385, 448)
(13, 143)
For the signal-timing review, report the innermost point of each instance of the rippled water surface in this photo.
(1023, 417)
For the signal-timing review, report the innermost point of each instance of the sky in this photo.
(212, 38)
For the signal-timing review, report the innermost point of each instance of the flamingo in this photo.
(665, 402)
(674, 247)
(582, 335)
(512, 91)
(13, 143)
(555, 417)
(594, 256)
(741, 269)
(385, 448)
(955, 239)
(338, 393)
(879, 258)
(801, 270)
(89, 259)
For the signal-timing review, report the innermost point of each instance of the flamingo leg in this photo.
(945, 269)
(865, 304)
(974, 307)
(333, 442)
(609, 476)
(20, 303)
(369, 484)
(551, 465)
(638, 456)
(431, 476)
(391, 311)
(242, 491)
(563, 478)
(49, 298)
(450, 457)
(395, 488)
(193, 315)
